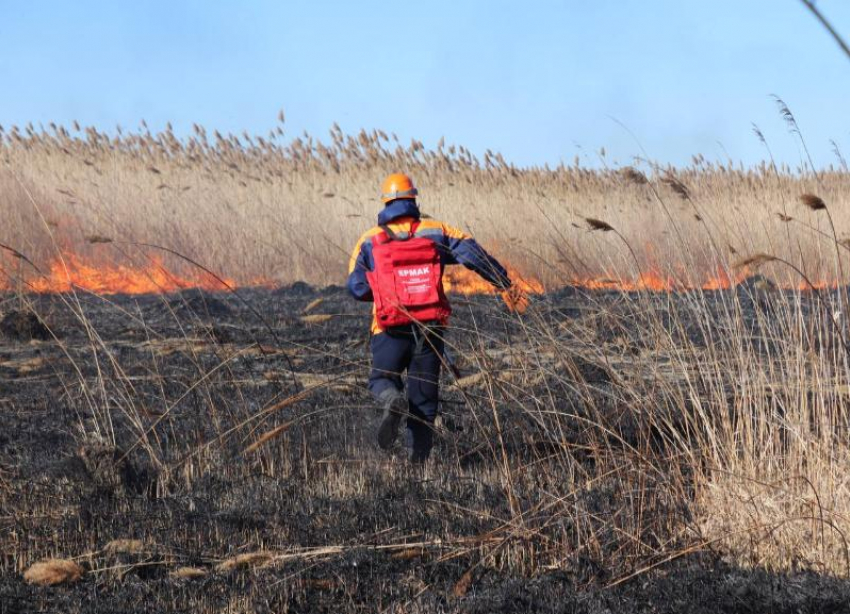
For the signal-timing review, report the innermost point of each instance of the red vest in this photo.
(407, 280)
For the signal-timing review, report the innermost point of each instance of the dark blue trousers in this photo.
(418, 351)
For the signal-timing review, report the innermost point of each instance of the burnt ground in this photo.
(143, 436)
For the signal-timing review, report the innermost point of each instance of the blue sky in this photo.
(539, 81)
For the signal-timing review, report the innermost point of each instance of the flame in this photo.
(653, 281)
(805, 286)
(657, 281)
(72, 272)
(461, 280)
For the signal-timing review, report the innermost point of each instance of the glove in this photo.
(515, 299)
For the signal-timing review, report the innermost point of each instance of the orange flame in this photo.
(657, 281)
(72, 272)
(461, 280)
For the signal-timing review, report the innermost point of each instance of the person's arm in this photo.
(466, 251)
(361, 261)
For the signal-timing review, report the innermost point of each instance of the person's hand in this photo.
(515, 299)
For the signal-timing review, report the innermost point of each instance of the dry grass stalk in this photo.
(754, 262)
(313, 304)
(53, 572)
(268, 436)
(317, 318)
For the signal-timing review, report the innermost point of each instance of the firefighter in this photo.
(398, 265)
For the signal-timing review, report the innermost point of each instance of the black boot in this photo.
(395, 407)
(419, 439)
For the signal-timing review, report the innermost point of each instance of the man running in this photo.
(398, 265)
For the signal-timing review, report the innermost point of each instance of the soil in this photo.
(203, 427)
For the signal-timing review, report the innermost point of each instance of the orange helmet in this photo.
(397, 185)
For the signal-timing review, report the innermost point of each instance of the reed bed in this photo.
(277, 209)
(697, 404)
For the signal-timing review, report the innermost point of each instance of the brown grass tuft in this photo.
(250, 559)
(471, 380)
(633, 175)
(679, 188)
(95, 239)
(815, 203)
(463, 585)
(188, 573)
(408, 554)
(124, 546)
(598, 224)
(53, 571)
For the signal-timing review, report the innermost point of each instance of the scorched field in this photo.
(184, 424)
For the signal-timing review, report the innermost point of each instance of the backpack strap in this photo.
(391, 235)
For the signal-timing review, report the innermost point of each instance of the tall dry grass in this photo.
(271, 208)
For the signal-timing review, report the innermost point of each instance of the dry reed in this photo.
(53, 571)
